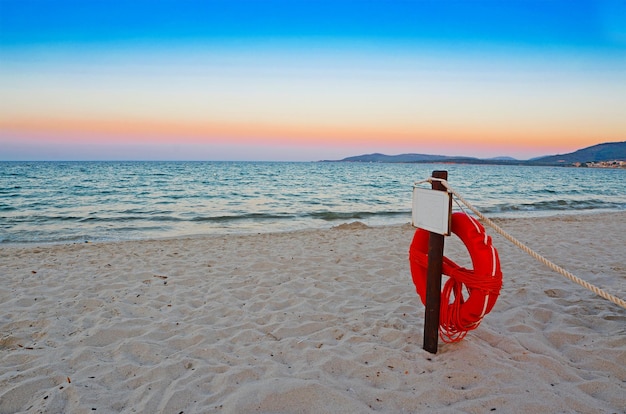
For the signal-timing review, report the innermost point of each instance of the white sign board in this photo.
(431, 210)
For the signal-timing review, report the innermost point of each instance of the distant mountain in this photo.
(425, 158)
(609, 151)
(376, 157)
(502, 159)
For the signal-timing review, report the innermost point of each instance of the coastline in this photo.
(307, 321)
(111, 201)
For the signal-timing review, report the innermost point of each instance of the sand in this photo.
(308, 322)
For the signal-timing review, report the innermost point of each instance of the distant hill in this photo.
(502, 159)
(376, 157)
(609, 151)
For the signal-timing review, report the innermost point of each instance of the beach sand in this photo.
(308, 322)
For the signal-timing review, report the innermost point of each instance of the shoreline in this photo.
(308, 321)
(494, 217)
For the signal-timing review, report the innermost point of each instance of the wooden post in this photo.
(433, 279)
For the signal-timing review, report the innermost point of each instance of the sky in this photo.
(308, 80)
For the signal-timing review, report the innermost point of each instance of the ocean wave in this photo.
(243, 216)
(38, 219)
(558, 205)
(355, 215)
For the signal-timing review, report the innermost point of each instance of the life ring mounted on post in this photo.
(482, 283)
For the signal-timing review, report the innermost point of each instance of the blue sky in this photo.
(309, 79)
(572, 24)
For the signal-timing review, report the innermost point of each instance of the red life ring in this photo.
(482, 283)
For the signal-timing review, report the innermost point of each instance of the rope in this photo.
(451, 328)
(528, 250)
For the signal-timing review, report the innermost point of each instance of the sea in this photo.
(77, 202)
